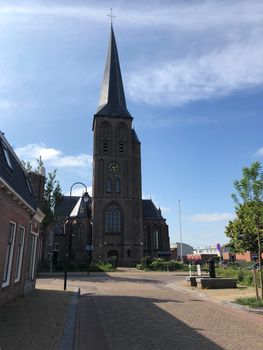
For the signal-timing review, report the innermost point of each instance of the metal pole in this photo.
(181, 237)
(68, 235)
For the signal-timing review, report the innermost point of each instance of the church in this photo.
(116, 221)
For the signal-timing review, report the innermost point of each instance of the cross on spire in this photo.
(111, 15)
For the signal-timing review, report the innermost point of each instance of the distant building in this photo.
(20, 218)
(176, 250)
(207, 250)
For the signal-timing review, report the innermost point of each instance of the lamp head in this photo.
(86, 197)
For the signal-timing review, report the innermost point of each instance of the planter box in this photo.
(216, 283)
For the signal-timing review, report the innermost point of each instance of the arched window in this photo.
(121, 133)
(156, 238)
(117, 185)
(112, 219)
(81, 238)
(108, 186)
(105, 137)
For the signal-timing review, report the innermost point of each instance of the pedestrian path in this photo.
(34, 322)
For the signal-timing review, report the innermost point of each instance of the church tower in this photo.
(117, 196)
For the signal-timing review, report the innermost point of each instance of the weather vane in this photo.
(111, 16)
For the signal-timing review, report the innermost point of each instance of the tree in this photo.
(52, 191)
(52, 196)
(26, 165)
(246, 231)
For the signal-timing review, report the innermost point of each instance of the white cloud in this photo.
(53, 157)
(212, 217)
(220, 72)
(165, 209)
(190, 15)
(259, 152)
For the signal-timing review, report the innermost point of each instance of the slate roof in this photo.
(112, 99)
(14, 174)
(150, 211)
(135, 137)
(57, 229)
(68, 206)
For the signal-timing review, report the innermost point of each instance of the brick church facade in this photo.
(120, 222)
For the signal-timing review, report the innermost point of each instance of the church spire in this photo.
(112, 99)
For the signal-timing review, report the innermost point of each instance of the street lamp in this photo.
(85, 197)
(181, 236)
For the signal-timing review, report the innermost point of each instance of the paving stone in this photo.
(34, 322)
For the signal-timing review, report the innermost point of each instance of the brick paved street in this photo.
(140, 311)
(128, 310)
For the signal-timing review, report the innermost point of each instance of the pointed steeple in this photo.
(112, 99)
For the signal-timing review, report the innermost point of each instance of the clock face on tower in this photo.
(113, 167)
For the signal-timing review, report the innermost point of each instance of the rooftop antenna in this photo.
(111, 16)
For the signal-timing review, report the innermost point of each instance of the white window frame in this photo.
(33, 256)
(9, 255)
(20, 253)
(8, 160)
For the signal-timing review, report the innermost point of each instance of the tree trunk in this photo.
(260, 264)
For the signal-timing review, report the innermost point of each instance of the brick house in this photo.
(20, 219)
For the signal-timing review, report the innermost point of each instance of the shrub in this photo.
(241, 275)
(251, 302)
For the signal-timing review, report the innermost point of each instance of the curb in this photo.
(68, 335)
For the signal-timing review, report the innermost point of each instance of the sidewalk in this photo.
(34, 322)
(225, 296)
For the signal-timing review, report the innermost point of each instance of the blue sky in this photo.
(193, 78)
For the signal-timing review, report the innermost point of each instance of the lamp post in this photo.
(181, 236)
(68, 230)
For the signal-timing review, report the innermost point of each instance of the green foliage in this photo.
(104, 267)
(40, 163)
(160, 265)
(52, 196)
(246, 231)
(52, 191)
(26, 165)
(243, 275)
(140, 267)
(85, 267)
(240, 275)
(243, 231)
(251, 302)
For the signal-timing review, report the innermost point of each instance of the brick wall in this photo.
(10, 210)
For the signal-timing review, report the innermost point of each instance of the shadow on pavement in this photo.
(120, 322)
(35, 321)
(102, 278)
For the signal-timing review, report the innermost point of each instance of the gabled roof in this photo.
(73, 206)
(112, 99)
(150, 211)
(14, 176)
(81, 209)
(66, 205)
